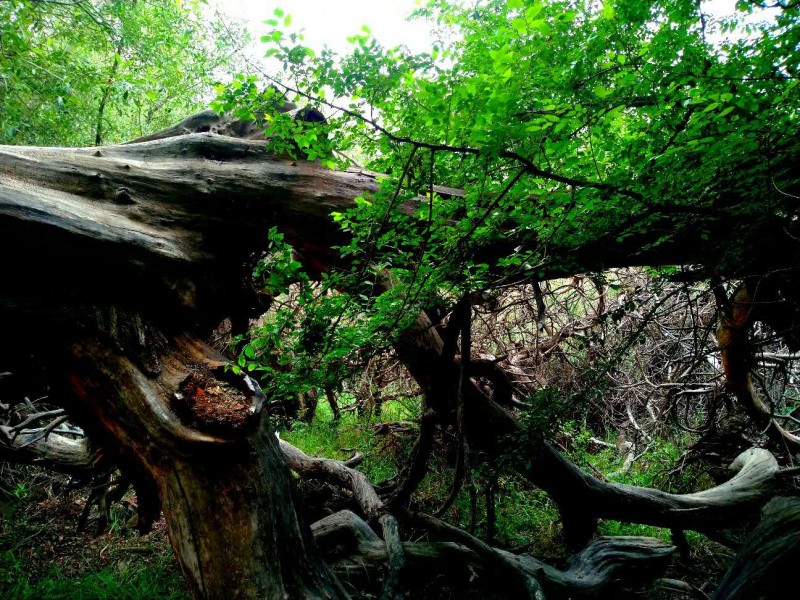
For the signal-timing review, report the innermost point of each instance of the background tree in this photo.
(92, 72)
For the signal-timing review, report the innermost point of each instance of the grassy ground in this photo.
(43, 556)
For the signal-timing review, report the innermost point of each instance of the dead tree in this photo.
(118, 277)
(120, 261)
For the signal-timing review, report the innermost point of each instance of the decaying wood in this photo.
(366, 496)
(765, 565)
(605, 563)
(54, 451)
(604, 567)
(171, 224)
(227, 496)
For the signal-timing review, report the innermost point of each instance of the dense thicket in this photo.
(586, 212)
(82, 73)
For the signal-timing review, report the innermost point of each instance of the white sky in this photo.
(330, 22)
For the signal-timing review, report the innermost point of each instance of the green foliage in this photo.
(546, 410)
(71, 72)
(122, 581)
(569, 125)
(318, 334)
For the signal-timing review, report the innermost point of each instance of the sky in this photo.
(330, 22)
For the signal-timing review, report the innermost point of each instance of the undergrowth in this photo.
(123, 580)
(44, 558)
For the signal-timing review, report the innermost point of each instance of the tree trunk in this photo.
(225, 489)
(764, 567)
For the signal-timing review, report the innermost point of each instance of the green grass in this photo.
(124, 580)
(327, 438)
(43, 556)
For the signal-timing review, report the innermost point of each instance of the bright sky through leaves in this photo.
(330, 23)
(326, 23)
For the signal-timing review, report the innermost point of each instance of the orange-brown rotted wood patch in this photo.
(210, 405)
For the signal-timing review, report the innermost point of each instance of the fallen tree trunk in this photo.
(54, 451)
(181, 217)
(172, 224)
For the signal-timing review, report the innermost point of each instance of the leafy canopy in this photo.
(583, 135)
(73, 72)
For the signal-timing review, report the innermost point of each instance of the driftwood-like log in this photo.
(757, 479)
(606, 566)
(764, 567)
(54, 451)
(368, 500)
(172, 225)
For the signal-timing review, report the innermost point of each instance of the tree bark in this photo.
(601, 570)
(226, 493)
(765, 565)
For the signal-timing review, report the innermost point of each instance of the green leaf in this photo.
(533, 11)
(520, 25)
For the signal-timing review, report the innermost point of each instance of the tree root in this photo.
(606, 566)
(347, 541)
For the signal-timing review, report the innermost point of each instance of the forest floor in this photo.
(44, 556)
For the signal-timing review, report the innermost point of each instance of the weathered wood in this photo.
(227, 496)
(368, 500)
(54, 451)
(172, 225)
(606, 566)
(764, 567)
